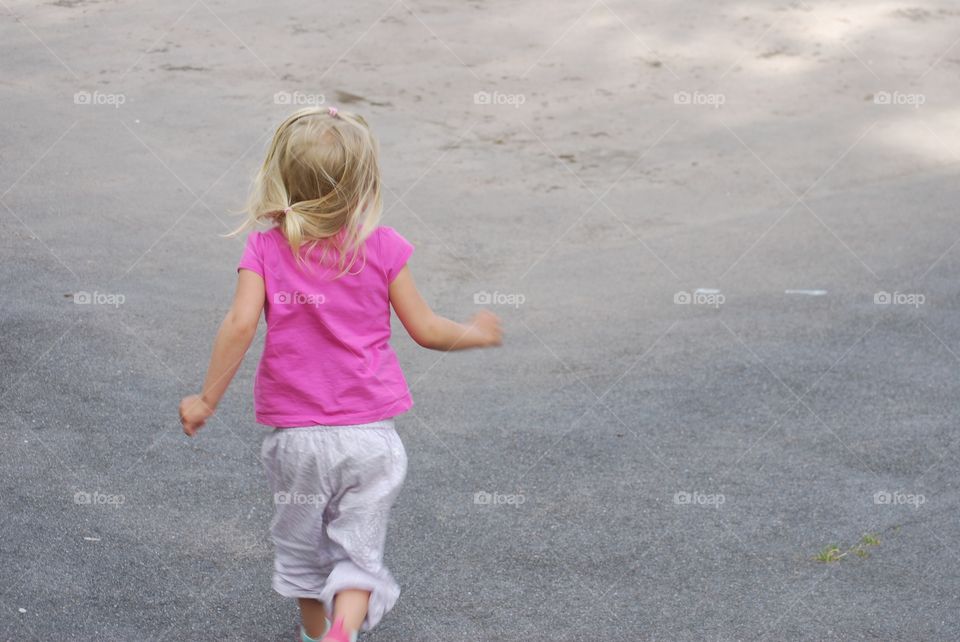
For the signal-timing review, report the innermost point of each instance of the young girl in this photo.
(328, 382)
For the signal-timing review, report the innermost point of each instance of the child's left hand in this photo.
(194, 412)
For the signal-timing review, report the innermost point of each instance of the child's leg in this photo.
(351, 605)
(359, 588)
(313, 616)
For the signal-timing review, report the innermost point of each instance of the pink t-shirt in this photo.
(327, 359)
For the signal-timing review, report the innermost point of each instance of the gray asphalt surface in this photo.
(657, 469)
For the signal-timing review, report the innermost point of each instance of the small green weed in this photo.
(833, 553)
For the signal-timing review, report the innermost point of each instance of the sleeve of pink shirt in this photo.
(252, 258)
(395, 251)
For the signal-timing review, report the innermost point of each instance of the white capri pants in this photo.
(333, 488)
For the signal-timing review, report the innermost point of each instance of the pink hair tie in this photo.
(332, 111)
(287, 210)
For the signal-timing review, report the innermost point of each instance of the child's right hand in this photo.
(485, 326)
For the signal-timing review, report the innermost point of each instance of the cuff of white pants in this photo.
(384, 591)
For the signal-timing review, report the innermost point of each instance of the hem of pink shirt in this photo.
(398, 407)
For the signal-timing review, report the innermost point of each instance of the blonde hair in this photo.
(320, 182)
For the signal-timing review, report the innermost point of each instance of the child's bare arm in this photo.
(233, 340)
(433, 331)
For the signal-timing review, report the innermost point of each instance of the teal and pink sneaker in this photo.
(338, 634)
